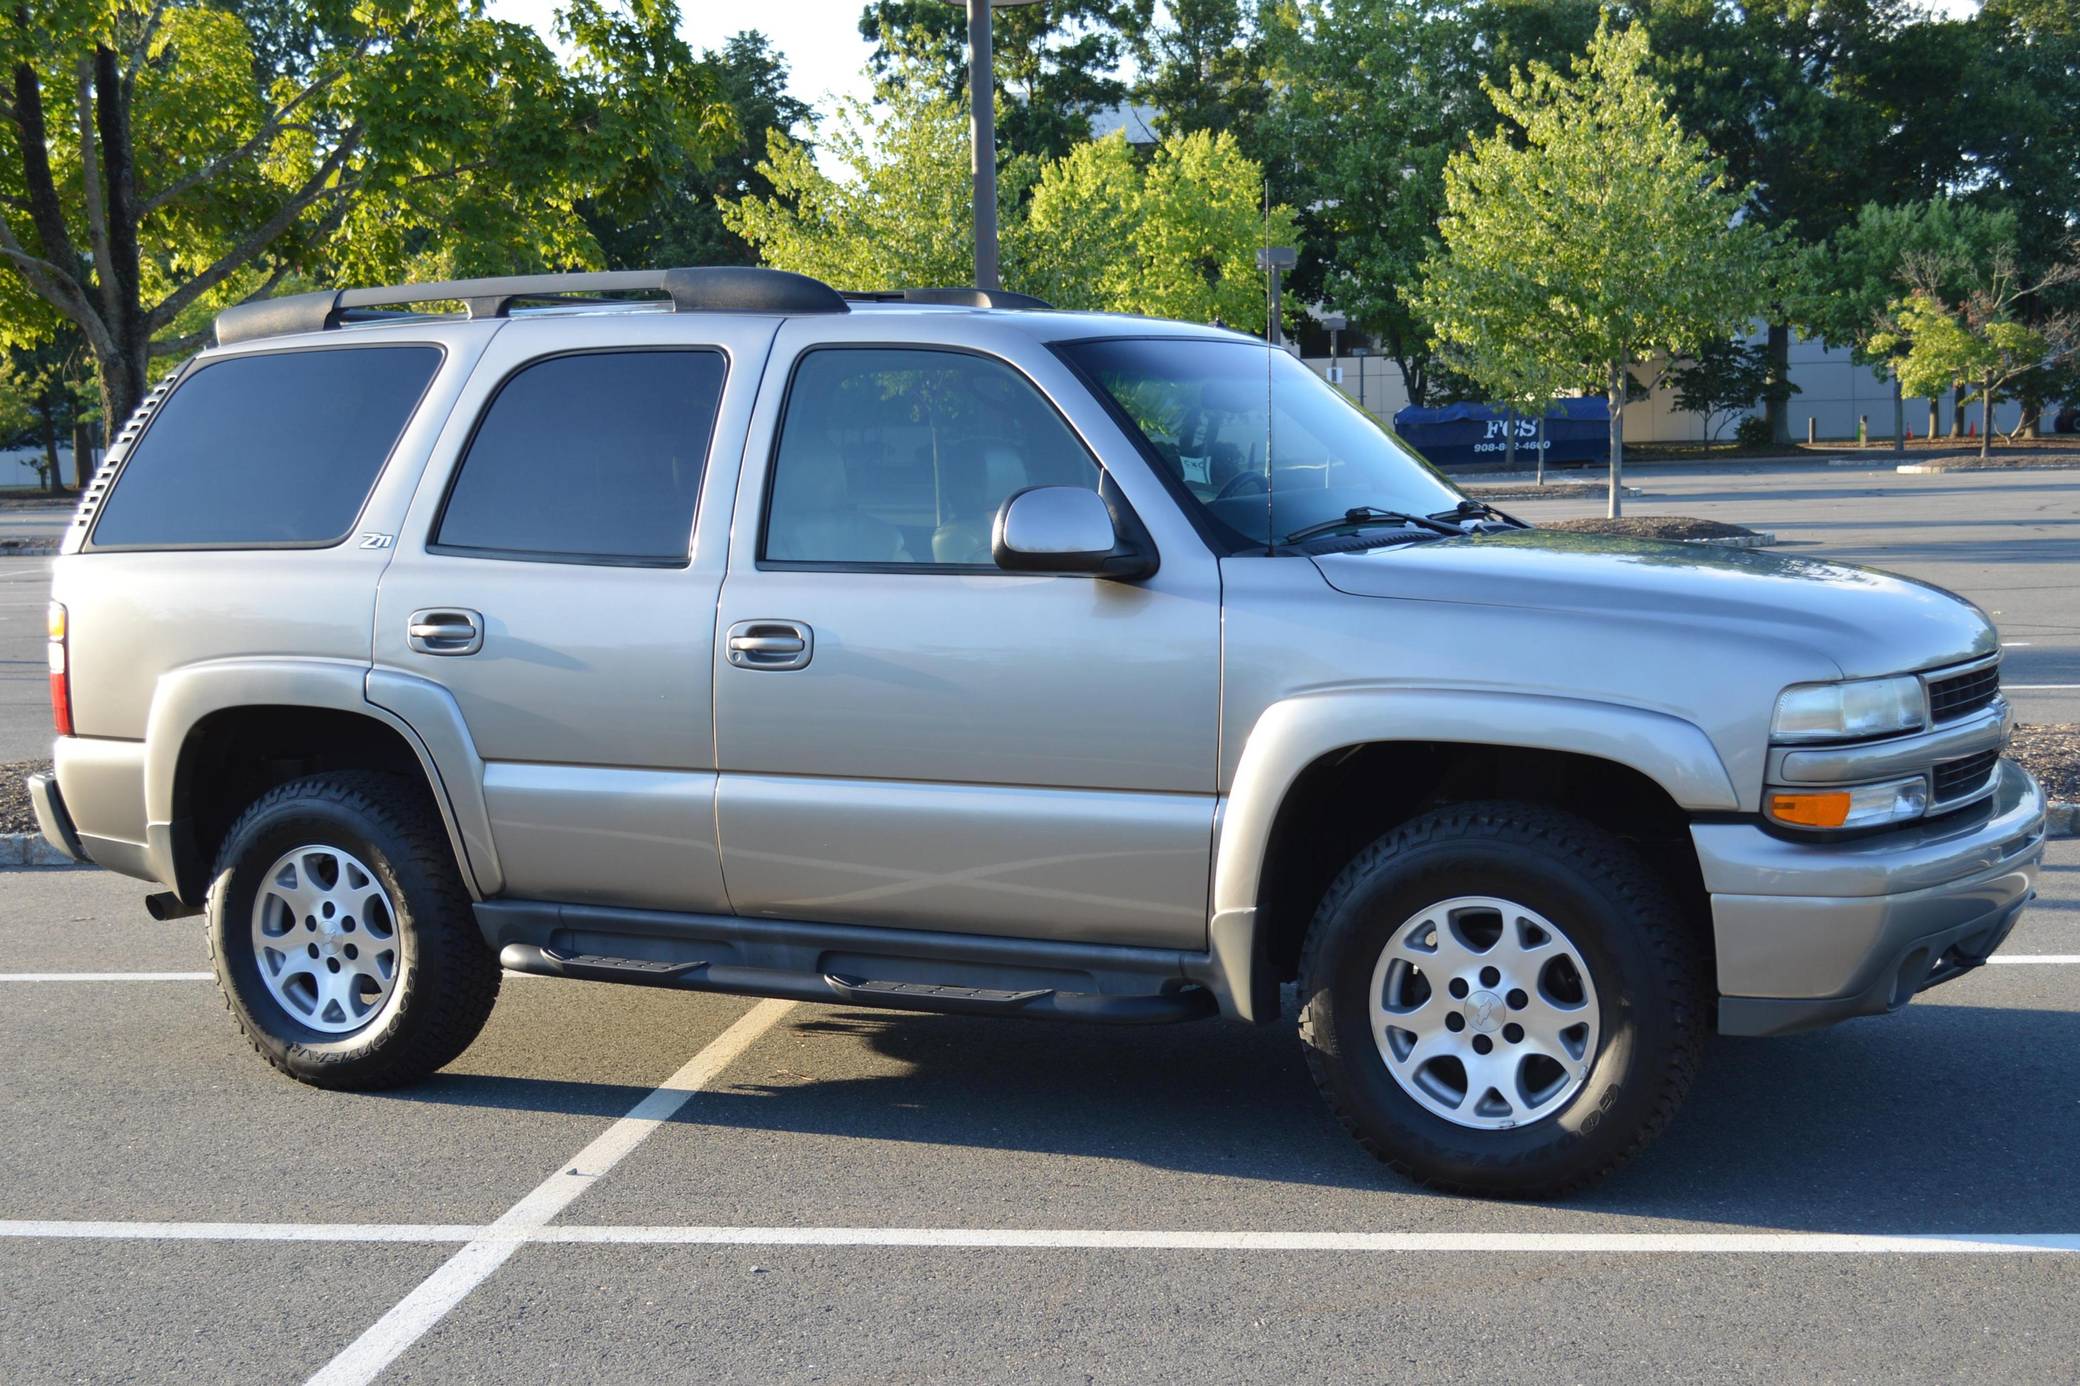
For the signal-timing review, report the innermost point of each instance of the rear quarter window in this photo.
(279, 449)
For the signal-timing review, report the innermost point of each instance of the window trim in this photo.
(571, 556)
(193, 369)
(914, 569)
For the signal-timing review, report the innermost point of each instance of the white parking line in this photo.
(104, 976)
(503, 1237)
(2037, 959)
(2038, 687)
(386, 1339)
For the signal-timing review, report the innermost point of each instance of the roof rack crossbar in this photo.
(963, 296)
(721, 288)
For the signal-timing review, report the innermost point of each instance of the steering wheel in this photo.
(1245, 484)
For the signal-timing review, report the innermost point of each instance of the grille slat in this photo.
(1960, 695)
(1958, 779)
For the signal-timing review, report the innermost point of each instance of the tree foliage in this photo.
(166, 156)
(1590, 233)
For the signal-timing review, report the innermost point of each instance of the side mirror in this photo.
(1066, 529)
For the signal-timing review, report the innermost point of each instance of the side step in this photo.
(1189, 1003)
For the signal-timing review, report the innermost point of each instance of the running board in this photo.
(1186, 1003)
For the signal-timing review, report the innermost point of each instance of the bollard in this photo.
(1863, 430)
(1812, 429)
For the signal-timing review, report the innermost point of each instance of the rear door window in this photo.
(594, 457)
(273, 450)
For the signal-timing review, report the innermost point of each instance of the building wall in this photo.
(1833, 392)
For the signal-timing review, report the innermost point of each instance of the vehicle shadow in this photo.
(1941, 1118)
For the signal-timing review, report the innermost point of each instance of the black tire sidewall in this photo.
(1637, 1024)
(255, 845)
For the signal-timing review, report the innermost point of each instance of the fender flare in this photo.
(1296, 732)
(422, 713)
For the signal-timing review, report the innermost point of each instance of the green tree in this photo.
(899, 214)
(679, 222)
(1846, 286)
(1057, 64)
(1201, 67)
(1590, 233)
(1724, 377)
(165, 157)
(1195, 250)
(1373, 97)
(1980, 336)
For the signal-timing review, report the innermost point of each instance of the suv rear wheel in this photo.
(342, 936)
(1502, 999)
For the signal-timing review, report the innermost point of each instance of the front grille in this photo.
(1960, 779)
(1960, 695)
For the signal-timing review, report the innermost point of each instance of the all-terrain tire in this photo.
(446, 980)
(1644, 960)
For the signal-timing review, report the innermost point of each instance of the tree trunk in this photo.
(1617, 505)
(1541, 448)
(1776, 405)
(1985, 417)
(1899, 416)
(1509, 441)
(122, 378)
(1957, 410)
(1935, 417)
(52, 481)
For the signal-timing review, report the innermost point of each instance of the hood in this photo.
(1868, 622)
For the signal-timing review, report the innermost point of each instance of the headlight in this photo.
(1849, 711)
(1857, 806)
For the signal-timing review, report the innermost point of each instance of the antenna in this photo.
(1271, 335)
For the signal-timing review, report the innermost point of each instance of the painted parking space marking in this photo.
(506, 1235)
(408, 1320)
(104, 976)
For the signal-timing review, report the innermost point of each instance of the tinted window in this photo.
(274, 449)
(595, 457)
(1263, 445)
(890, 456)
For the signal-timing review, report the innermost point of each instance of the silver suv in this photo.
(711, 629)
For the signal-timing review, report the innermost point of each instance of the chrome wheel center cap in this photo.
(1483, 1012)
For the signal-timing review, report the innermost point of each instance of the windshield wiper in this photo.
(1479, 510)
(1359, 516)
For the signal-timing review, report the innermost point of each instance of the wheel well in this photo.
(233, 756)
(1353, 796)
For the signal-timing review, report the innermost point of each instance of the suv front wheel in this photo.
(1502, 999)
(342, 936)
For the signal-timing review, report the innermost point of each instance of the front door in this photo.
(554, 581)
(909, 736)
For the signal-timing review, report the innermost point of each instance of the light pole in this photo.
(1335, 322)
(1276, 259)
(982, 135)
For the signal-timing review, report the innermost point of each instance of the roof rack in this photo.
(963, 297)
(716, 289)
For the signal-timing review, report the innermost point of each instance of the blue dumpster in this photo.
(1457, 435)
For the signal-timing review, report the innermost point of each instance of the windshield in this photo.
(1264, 446)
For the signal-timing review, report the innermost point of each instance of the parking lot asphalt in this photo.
(836, 1194)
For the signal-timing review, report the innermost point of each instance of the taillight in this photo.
(61, 673)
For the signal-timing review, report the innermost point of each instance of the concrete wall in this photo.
(1833, 391)
(18, 465)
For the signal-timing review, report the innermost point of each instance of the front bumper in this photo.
(1809, 933)
(51, 818)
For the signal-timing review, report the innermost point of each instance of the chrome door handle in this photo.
(769, 645)
(446, 630)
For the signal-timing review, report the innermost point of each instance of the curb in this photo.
(28, 548)
(29, 849)
(1938, 468)
(2064, 820)
(1759, 540)
(1529, 484)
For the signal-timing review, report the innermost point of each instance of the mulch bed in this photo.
(2052, 754)
(1677, 527)
(15, 813)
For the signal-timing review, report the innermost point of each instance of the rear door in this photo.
(557, 576)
